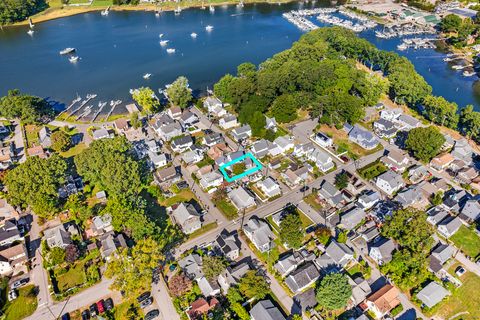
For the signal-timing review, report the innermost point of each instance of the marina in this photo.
(82, 104)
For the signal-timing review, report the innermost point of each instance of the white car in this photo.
(12, 295)
(459, 271)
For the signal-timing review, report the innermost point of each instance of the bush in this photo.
(396, 311)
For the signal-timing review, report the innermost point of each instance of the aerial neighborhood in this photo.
(317, 185)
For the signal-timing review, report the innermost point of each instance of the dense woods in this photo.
(17, 10)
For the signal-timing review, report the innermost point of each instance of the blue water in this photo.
(117, 50)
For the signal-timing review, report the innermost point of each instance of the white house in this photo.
(323, 140)
(211, 179)
(282, 145)
(449, 226)
(382, 251)
(228, 121)
(269, 187)
(214, 106)
(323, 160)
(187, 217)
(158, 160)
(241, 199)
(390, 182)
(259, 233)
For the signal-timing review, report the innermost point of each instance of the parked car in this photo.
(459, 271)
(108, 304)
(143, 296)
(100, 306)
(145, 303)
(66, 316)
(304, 188)
(152, 314)
(85, 315)
(93, 310)
(20, 283)
(12, 295)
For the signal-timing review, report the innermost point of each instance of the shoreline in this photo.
(68, 11)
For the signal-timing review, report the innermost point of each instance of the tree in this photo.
(240, 311)
(213, 266)
(323, 234)
(135, 121)
(410, 229)
(437, 198)
(71, 253)
(257, 123)
(252, 285)
(132, 269)
(440, 111)
(56, 256)
(60, 141)
(425, 143)
(35, 183)
(179, 285)
(29, 109)
(450, 23)
(291, 230)
(341, 180)
(333, 291)
(284, 108)
(470, 122)
(179, 92)
(17, 10)
(239, 168)
(146, 98)
(407, 269)
(296, 317)
(234, 295)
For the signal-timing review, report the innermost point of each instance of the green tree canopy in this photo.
(470, 123)
(284, 108)
(440, 111)
(425, 143)
(334, 291)
(407, 269)
(17, 10)
(179, 92)
(213, 266)
(341, 180)
(253, 285)
(146, 98)
(35, 183)
(60, 141)
(291, 230)
(29, 109)
(450, 23)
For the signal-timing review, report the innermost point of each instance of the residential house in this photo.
(158, 160)
(302, 277)
(265, 310)
(192, 156)
(466, 175)
(209, 288)
(187, 217)
(9, 233)
(45, 137)
(441, 162)
(407, 123)
(181, 144)
(175, 112)
(214, 106)
(242, 133)
(269, 187)
(291, 261)
(383, 301)
(418, 173)
(454, 200)
(241, 199)
(389, 182)
(57, 237)
(306, 300)
(260, 234)
(291, 179)
(232, 275)
(439, 256)
(6, 156)
(352, 217)
(411, 196)
(270, 124)
(302, 150)
(12, 258)
(368, 199)
(217, 151)
(37, 151)
(360, 290)
(281, 145)
(323, 140)
(121, 125)
(395, 160)
(201, 307)
(391, 114)
(212, 138)
(470, 211)
(385, 128)
(322, 160)
(381, 251)
(7, 211)
(111, 243)
(436, 215)
(132, 108)
(432, 294)
(261, 148)
(449, 226)
(153, 146)
(228, 121)
(363, 137)
(169, 131)
(169, 174)
(100, 225)
(449, 142)
(101, 133)
(188, 119)
(227, 245)
(211, 180)
(463, 151)
(191, 266)
(340, 253)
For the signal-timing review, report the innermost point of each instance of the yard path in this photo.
(467, 263)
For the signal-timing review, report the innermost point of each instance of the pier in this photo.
(101, 106)
(114, 104)
(77, 99)
(84, 102)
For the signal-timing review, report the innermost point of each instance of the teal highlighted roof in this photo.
(258, 166)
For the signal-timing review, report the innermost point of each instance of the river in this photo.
(117, 50)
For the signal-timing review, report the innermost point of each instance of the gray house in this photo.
(187, 217)
(44, 137)
(432, 294)
(242, 133)
(363, 137)
(390, 182)
(265, 310)
(259, 233)
(227, 245)
(352, 217)
(57, 237)
(191, 265)
(382, 251)
(449, 226)
(470, 211)
(232, 275)
(303, 277)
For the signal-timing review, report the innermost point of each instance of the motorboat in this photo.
(193, 35)
(160, 35)
(30, 32)
(73, 59)
(147, 76)
(177, 11)
(170, 50)
(163, 43)
(209, 28)
(67, 51)
(458, 67)
(212, 8)
(468, 73)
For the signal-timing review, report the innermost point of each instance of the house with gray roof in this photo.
(260, 234)
(191, 265)
(111, 243)
(271, 124)
(214, 106)
(385, 128)
(418, 173)
(302, 277)
(407, 123)
(340, 253)
(368, 199)
(169, 131)
(269, 187)
(188, 119)
(261, 148)
(291, 261)
(470, 211)
(389, 182)
(227, 245)
(44, 137)
(209, 288)
(396, 160)
(306, 300)
(232, 275)
(181, 144)
(360, 290)
(363, 137)
(322, 159)
(449, 226)
(192, 156)
(228, 121)
(101, 133)
(439, 256)
(211, 179)
(411, 196)
(242, 133)
(9, 234)
(352, 217)
(57, 237)
(463, 151)
(265, 310)
(241, 199)
(436, 215)
(302, 150)
(382, 251)
(213, 138)
(432, 294)
(187, 217)
(323, 140)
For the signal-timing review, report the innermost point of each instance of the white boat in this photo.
(163, 43)
(67, 51)
(193, 35)
(160, 35)
(448, 59)
(468, 73)
(73, 59)
(177, 11)
(147, 76)
(402, 47)
(209, 28)
(458, 67)
(104, 12)
(30, 22)
(240, 4)
(212, 8)
(157, 14)
(170, 50)
(30, 32)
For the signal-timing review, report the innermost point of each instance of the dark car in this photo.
(20, 283)
(152, 314)
(145, 303)
(108, 304)
(304, 188)
(66, 316)
(93, 310)
(85, 315)
(100, 306)
(143, 296)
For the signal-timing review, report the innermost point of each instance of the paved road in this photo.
(164, 301)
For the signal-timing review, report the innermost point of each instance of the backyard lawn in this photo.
(184, 195)
(373, 170)
(73, 151)
(72, 278)
(23, 306)
(312, 201)
(227, 209)
(203, 229)
(467, 241)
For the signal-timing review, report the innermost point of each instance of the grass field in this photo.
(311, 200)
(372, 170)
(183, 196)
(203, 229)
(467, 241)
(74, 150)
(23, 306)
(227, 209)
(72, 278)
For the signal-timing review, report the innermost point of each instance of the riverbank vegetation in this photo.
(460, 32)
(29, 109)
(12, 11)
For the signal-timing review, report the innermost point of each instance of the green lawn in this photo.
(227, 209)
(203, 229)
(184, 195)
(306, 222)
(102, 3)
(72, 278)
(23, 306)
(31, 132)
(78, 1)
(467, 241)
(372, 170)
(74, 150)
(311, 200)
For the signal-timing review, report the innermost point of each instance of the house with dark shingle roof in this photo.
(265, 310)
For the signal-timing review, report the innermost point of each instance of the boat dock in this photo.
(84, 102)
(113, 104)
(85, 113)
(101, 106)
(77, 99)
